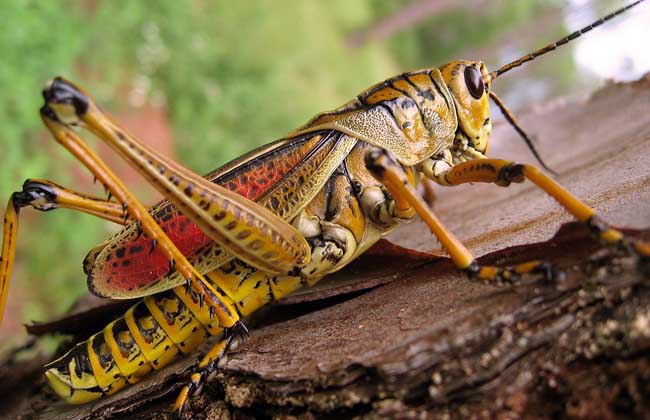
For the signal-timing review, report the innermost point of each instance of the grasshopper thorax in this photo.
(469, 84)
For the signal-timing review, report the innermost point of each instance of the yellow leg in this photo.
(9, 236)
(204, 368)
(69, 139)
(395, 179)
(503, 172)
(46, 195)
(248, 289)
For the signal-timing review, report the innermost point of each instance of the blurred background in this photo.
(205, 81)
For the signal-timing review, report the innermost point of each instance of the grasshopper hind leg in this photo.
(248, 289)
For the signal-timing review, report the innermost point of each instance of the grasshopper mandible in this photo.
(279, 218)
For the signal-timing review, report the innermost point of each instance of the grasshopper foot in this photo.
(207, 365)
(616, 239)
(642, 251)
(512, 274)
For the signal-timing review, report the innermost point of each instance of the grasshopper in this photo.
(279, 218)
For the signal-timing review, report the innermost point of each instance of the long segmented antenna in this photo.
(511, 119)
(550, 47)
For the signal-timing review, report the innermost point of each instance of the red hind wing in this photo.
(128, 265)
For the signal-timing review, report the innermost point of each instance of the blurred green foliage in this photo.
(231, 76)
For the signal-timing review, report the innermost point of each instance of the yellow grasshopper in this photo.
(279, 218)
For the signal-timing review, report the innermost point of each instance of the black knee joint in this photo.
(35, 191)
(372, 158)
(548, 271)
(596, 224)
(60, 91)
(473, 270)
(238, 330)
(511, 173)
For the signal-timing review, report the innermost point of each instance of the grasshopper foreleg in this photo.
(503, 173)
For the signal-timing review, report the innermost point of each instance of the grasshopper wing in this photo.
(283, 177)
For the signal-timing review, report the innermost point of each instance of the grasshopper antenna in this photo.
(513, 122)
(550, 47)
(530, 57)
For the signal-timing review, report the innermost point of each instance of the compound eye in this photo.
(474, 82)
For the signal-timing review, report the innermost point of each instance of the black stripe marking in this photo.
(440, 91)
(329, 212)
(390, 112)
(324, 141)
(102, 352)
(418, 104)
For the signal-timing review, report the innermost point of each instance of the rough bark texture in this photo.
(403, 334)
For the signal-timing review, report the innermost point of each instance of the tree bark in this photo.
(403, 334)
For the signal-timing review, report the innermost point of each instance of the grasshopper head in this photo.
(469, 83)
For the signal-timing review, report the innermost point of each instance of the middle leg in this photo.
(393, 176)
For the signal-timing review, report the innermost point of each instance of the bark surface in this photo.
(403, 334)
